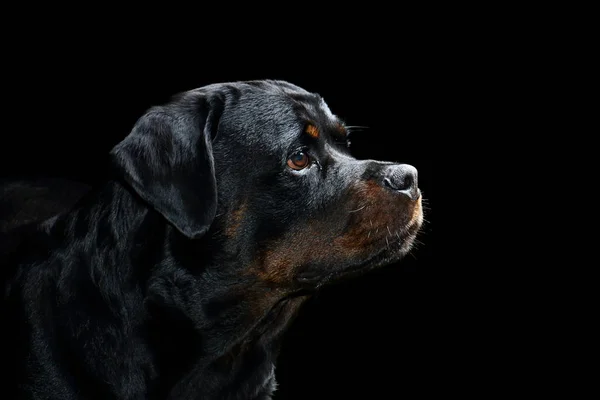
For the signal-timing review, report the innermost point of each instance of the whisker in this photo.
(358, 209)
(417, 242)
(356, 127)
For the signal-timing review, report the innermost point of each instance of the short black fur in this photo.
(177, 277)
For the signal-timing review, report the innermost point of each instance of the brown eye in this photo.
(298, 160)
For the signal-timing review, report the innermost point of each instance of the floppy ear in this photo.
(167, 159)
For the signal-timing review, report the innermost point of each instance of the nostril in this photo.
(408, 182)
(402, 178)
(388, 183)
(401, 183)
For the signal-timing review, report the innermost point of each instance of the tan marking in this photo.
(234, 220)
(276, 265)
(369, 225)
(312, 131)
(417, 214)
(341, 129)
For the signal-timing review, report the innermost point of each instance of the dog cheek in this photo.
(352, 231)
(280, 262)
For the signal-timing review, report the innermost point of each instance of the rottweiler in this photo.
(226, 208)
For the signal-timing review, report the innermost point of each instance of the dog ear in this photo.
(167, 159)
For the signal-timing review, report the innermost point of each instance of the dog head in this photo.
(263, 170)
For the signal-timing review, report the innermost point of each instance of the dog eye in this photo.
(298, 160)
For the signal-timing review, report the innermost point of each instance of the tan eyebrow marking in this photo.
(312, 131)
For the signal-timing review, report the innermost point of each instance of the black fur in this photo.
(176, 279)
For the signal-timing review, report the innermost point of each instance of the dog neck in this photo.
(201, 315)
(228, 323)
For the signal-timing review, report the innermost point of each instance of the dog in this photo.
(226, 208)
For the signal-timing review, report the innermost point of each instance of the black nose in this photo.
(403, 179)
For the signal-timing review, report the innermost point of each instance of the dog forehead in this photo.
(274, 108)
(309, 102)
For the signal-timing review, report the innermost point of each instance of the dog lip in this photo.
(308, 277)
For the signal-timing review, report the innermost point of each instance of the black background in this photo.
(67, 105)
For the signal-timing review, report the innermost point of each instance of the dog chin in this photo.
(390, 252)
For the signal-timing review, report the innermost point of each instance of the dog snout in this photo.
(402, 178)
